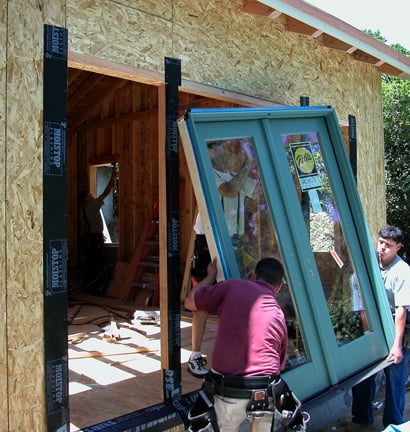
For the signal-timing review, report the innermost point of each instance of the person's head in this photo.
(214, 145)
(271, 271)
(235, 155)
(217, 154)
(389, 243)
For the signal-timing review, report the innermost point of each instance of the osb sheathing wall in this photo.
(219, 46)
(3, 297)
(22, 405)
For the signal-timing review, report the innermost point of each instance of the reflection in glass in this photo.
(327, 240)
(357, 304)
(249, 223)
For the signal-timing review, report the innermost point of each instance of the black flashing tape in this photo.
(54, 226)
(172, 376)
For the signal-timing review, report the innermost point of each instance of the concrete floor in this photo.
(336, 413)
(344, 423)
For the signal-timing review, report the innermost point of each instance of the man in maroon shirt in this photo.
(251, 341)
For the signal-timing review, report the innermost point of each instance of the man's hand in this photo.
(212, 270)
(209, 279)
(395, 355)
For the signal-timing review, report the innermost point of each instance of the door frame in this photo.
(265, 126)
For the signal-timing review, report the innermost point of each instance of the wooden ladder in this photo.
(144, 289)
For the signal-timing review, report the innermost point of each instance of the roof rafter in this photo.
(303, 18)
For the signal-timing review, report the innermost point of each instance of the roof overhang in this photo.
(303, 18)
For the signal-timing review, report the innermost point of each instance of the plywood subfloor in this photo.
(108, 377)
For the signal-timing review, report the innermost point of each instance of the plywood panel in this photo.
(108, 29)
(23, 215)
(221, 46)
(370, 156)
(24, 222)
(22, 384)
(3, 285)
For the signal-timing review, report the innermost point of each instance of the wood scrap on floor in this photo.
(93, 354)
(91, 325)
(95, 311)
(76, 337)
(112, 333)
(136, 374)
(146, 317)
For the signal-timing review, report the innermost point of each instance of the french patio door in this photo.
(298, 203)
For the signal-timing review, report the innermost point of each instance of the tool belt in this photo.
(236, 386)
(202, 416)
(259, 390)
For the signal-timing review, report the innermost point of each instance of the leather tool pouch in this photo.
(258, 403)
(288, 409)
(202, 416)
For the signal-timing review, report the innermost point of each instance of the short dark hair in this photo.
(392, 232)
(212, 144)
(270, 270)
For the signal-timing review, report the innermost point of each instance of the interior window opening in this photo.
(110, 210)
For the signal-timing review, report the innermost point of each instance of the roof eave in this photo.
(359, 41)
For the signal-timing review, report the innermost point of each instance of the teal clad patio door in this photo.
(297, 200)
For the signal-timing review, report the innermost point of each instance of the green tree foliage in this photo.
(396, 115)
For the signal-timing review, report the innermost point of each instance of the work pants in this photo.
(231, 412)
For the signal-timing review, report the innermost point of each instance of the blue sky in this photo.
(390, 17)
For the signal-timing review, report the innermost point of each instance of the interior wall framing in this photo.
(124, 125)
(123, 128)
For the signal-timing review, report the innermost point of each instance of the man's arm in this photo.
(396, 353)
(232, 187)
(209, 279)
(108, 188)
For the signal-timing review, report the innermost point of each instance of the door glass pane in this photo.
(323, 226)
(249, 224)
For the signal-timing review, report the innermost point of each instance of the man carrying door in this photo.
(396, 278)
(251, 341)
